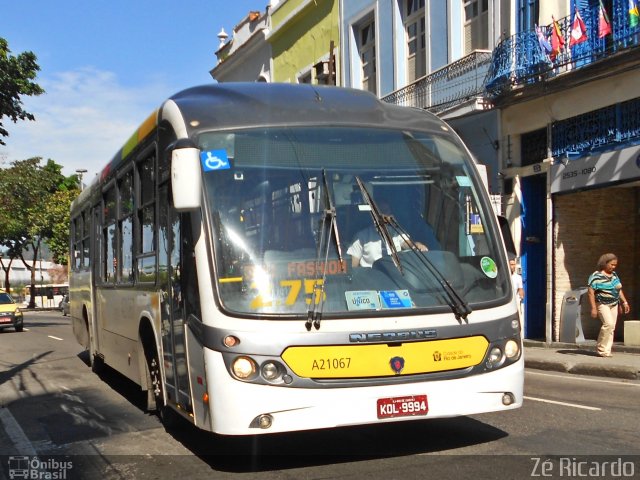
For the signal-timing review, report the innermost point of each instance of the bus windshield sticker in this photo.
(362, 300)
(463, 180)
(475, 224)
(489, 267)
(214, 160)
(396, 299)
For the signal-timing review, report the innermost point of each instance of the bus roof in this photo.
(247, 105)
(234, 105)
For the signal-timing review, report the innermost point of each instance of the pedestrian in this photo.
(518, 288)
(516, 280)
(605, 296)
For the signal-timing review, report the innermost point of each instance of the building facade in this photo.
(547, 103)
(304, 40)
(570, 121)
(293, 41)
(246, 56)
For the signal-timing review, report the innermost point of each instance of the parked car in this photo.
(64, 305)
(10, 313)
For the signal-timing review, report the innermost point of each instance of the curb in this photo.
(615, 371)
(588, 345)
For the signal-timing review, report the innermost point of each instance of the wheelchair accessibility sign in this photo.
(214, 160)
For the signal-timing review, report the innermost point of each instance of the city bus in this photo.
(216, 262)
(48, 295)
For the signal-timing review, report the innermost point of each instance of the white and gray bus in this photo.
(219, 262)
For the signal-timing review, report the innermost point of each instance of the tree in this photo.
(16, 75)
(34, 209)
(53, 218)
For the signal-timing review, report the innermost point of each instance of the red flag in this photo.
(604, 25)
(578, 30)
(557, 40)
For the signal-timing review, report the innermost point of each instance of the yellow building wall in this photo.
(302, 31)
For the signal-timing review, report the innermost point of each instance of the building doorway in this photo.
(534, 254)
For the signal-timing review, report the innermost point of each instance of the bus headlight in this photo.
(244, 368)
(494, 357)
(511, 349)
(271, 371)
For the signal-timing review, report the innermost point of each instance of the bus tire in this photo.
(95, 361)
(155, 395)
(156, 400)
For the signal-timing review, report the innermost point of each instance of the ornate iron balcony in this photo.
(447, 87)
(521, 59)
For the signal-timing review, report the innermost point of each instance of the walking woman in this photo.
(605, 293)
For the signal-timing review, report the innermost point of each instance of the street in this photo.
(51, 404)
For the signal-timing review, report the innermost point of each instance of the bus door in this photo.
(173, 319)
(183, 353)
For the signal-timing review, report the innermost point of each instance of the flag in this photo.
(578, 30)
(519, 202)
(634, 14)
(604, 25)
(542, 40)
(557, 40)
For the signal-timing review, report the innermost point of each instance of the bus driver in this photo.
(366, 248)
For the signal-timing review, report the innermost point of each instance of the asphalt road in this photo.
(53, 408)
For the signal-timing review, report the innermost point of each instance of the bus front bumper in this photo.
(239, 408)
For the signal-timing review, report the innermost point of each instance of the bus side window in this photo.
(146, 242)
(125, 227)
(109, 234)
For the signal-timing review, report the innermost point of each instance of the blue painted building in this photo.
(569, 108)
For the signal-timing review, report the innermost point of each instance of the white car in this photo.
(64, 305)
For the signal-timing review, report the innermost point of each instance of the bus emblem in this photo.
(397, 364)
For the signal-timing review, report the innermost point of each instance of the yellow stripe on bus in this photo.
(143, 130)
(380, 360)
(147, 126)
(230, 280)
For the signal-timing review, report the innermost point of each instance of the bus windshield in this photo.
(348, 221)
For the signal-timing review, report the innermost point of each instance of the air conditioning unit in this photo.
(322, 71)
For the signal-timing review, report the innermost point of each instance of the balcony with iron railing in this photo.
(522, 60)
(452, 85)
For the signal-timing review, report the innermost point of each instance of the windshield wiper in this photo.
(314, 313)
(380, 222)
(458, 305)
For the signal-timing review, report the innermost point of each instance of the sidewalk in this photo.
(581, 359)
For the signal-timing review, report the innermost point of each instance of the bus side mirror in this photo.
(186, 178)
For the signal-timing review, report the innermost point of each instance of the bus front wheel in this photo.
(155, 393)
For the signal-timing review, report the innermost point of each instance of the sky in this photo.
(105, 66)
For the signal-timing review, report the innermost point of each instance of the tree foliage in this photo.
(34, 208)
(53, 218)
(16, 79)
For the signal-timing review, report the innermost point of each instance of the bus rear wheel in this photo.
(96, 361)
